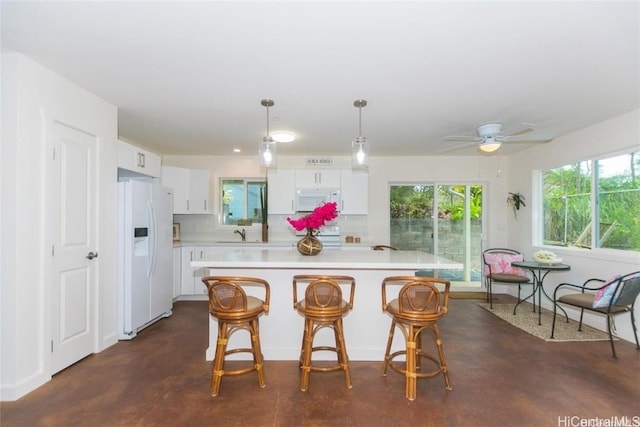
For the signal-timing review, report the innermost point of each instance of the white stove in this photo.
(329, 235)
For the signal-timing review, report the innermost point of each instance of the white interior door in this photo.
(74, 240)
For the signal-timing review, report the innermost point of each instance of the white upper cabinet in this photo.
(199, 191)
(354, 193)
(281, 189)
(178, 180)
(318, 178)
(190, 189)
(138, 160)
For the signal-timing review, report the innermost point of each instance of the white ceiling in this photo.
(188, 77)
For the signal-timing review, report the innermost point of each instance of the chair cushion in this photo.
(509, 278)
(501, 263)
(603, 296)
(586, 301)
(579, 300)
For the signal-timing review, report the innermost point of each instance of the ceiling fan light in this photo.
(490, 146)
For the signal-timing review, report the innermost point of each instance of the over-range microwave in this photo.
(307, 199)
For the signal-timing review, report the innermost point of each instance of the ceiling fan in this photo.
(490, 138)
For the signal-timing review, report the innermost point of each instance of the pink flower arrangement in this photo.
(315, 219)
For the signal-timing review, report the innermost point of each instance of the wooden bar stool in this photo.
(235, 310)
(419, 306)
(323, 307)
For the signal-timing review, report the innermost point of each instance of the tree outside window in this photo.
(594, 197)
(445, 220)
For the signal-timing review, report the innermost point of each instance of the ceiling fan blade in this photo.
(458, 147)
(527, 127)
(462, 138)
(527, 138)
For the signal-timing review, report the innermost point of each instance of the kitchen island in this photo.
(366, 328)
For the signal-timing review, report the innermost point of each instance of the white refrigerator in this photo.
(145, 260)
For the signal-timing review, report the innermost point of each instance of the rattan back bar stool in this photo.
(323, 307)
(418, 307)
(235, 310)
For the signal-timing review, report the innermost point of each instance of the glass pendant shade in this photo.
(359, 153)
(268, 152)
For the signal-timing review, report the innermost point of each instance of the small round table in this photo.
(539, 271)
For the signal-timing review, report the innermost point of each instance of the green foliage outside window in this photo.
(417, 201)
(568, 192)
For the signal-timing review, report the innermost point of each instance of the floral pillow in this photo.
(501, 264)
(604, 294)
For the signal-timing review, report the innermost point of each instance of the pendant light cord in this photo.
(360, 103)
(267, 120)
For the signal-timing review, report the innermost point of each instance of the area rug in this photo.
(527, 320)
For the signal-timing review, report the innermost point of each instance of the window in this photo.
(440, 219)
(243, 201)
(593, 198)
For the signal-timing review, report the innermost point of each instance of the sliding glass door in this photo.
(442, 219)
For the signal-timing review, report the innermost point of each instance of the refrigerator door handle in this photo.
(151, 213)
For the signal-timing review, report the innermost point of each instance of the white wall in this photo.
(32, 96)
(619, 133)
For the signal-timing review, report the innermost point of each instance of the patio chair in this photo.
(611, 298)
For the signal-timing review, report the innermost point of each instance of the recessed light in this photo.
(283, 137)
(236, 150)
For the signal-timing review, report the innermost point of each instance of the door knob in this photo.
(92, 255)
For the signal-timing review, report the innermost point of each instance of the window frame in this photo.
(245, 182)
(439, 241)
(538, 225)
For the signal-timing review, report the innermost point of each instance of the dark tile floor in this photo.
(501, 376)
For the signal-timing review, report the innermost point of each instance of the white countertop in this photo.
(256, 244)
(275, 258)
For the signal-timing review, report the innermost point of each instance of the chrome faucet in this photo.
(242, 234)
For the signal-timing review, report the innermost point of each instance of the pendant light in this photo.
(360, 145)
(267, 152)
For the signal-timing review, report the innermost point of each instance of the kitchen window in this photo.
(592, 198)
(242, 201)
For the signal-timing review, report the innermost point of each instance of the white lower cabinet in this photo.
(191, 282)
(191, 278)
